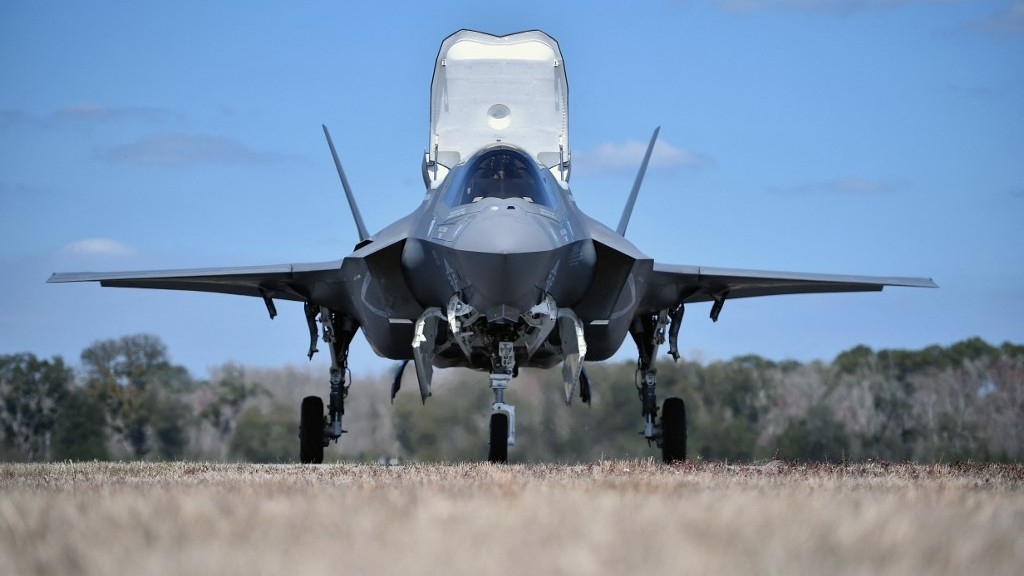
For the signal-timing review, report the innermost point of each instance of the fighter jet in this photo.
(497, 269)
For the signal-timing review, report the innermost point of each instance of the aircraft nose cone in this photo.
(506, 229)
(506, 256)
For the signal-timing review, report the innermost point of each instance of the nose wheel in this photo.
(498, 450)
(503, 416)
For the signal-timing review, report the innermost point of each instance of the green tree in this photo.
(140, 390)
(817, 437)
(32, 391)
(231, 396)
(610, 427)
(170, 420)
(266, 436)
(853, 360)
(453, 423)
(730, 399)
(81, 430)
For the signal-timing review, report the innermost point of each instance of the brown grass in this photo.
(621, 517)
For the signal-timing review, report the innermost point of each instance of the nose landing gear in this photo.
(503, 416)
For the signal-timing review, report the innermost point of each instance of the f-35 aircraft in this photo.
(498, 268)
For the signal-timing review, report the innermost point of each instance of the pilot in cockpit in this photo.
(502, 176)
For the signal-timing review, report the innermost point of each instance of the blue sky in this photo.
(881, 137)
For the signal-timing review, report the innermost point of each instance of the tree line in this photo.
(127, 400)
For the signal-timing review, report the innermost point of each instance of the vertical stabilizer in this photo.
(624, 221)
(363, 234)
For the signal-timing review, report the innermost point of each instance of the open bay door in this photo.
(490, 89)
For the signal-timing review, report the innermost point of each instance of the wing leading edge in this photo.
(671, 285)
(286, 281)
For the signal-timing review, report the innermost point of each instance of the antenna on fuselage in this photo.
(628, 211)
(363, 234)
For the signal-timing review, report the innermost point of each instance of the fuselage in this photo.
(500, 232)
(502, 235)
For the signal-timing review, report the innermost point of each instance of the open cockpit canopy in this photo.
(498, 90)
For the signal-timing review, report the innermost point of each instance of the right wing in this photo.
(671, 285)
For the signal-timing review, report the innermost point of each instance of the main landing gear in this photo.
(668, 432)
(316, 430)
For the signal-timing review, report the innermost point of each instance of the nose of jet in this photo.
(506, 229)
(506, 256)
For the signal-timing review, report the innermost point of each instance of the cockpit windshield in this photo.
(503, 173)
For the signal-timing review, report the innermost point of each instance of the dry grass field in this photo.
(615, 517)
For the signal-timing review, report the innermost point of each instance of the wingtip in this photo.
(917, 283)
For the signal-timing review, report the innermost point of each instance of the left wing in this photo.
(670, 285)
(300, 282)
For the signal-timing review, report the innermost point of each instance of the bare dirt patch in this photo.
(613, 517)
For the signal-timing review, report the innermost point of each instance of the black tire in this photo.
(498, 450)
(673, 430)
(311, 430)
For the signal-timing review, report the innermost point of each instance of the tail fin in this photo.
(363, 234)
(624, 221)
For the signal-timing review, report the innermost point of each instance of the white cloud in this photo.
(77, 114)
(99, 246)
(180, 149)
(626, 157)
(854, 185)
(102, 113)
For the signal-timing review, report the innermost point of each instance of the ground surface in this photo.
(622, 517)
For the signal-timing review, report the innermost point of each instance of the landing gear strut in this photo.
(315, 430)
(668, 432)
(503, 416)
